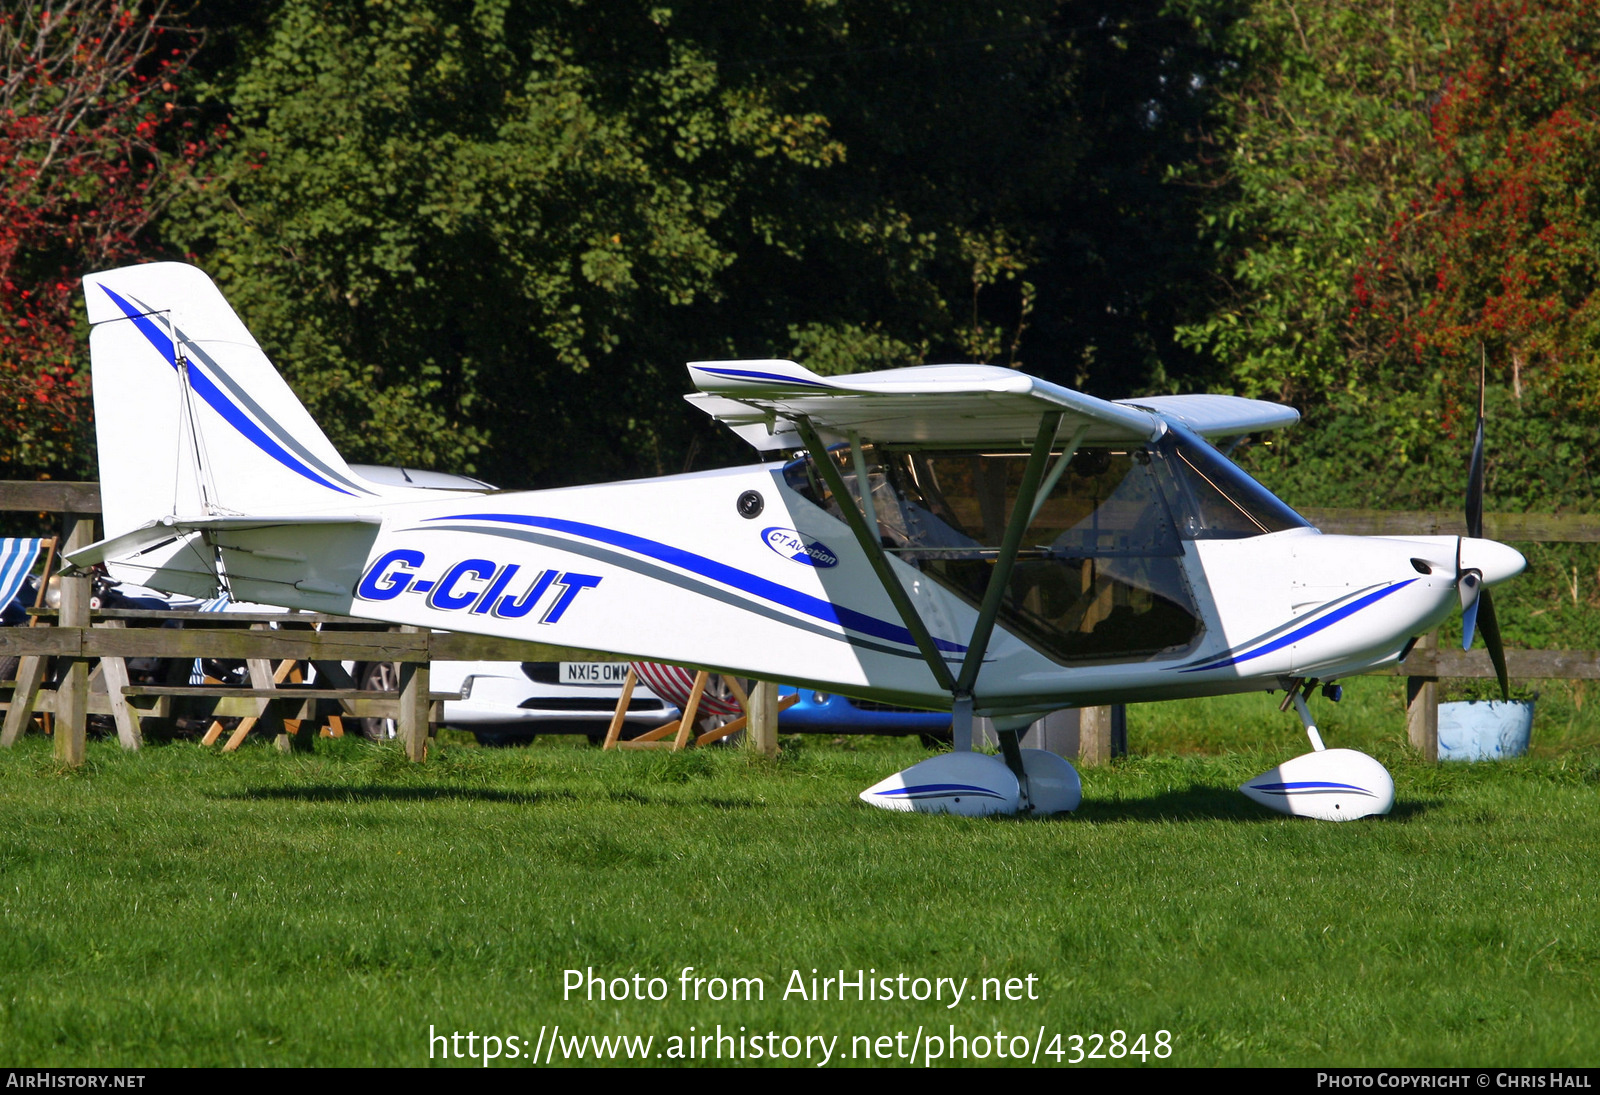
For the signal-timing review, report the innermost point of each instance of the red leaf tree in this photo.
(90, 140)
(1511, 230)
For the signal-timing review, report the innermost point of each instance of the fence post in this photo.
(115, 673)
(1094, 735)
(72, 696)
(412, 725)
(1422, 706)
(763, 724)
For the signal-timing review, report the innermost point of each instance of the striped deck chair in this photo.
(17, 556)
(689, 692)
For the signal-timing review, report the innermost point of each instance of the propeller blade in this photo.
(1475, 487)
(1469, 621)
(1475, 600)
(1491, 639)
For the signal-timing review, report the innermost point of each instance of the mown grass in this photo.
(184, 907)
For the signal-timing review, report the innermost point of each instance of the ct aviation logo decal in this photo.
(787, 542)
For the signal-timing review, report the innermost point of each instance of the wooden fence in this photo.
(81, 637)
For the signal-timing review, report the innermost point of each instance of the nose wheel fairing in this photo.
(1326, 784)
(1330, 785)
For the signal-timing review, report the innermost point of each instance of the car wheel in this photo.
(378, 677)
(502, 739)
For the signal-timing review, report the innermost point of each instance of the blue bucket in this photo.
(1484, 729)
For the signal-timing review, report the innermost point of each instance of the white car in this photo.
(502, 702)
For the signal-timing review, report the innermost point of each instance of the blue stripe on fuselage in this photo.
(753, 374)
(815, 607)
(1300, 633)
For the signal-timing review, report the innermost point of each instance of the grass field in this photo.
(184, 907)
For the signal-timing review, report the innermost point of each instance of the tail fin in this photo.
(191, 418)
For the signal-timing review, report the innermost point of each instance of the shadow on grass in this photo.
(1201, 803)
(639, 798)
(378, 793)
(335, 793)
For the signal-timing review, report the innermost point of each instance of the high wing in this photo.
(947, 405)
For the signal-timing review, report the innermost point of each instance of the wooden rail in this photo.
(370, 642)
(1549, 528)
(1566, 665)
(50, 496)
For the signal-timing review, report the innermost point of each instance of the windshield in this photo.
(1099, 574)
(1216, 498)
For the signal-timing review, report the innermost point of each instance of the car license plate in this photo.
(593, 672)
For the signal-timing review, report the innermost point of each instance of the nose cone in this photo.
(1493, 560)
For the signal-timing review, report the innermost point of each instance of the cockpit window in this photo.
(1105, 503)
(1099, 575)
(1215, 497)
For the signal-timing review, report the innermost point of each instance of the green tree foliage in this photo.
(445, 220)
(1323, 144)
(1121, 262)
(1511, 231)
(489, 234)
(456, 222)
(1401, 193)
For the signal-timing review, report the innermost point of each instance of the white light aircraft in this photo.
(958, 536)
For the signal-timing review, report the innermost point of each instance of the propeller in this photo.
(1477, 606)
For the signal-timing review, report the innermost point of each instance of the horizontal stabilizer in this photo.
(168, 529)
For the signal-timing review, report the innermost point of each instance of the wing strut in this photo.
(875, 554)
(1024, 508)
